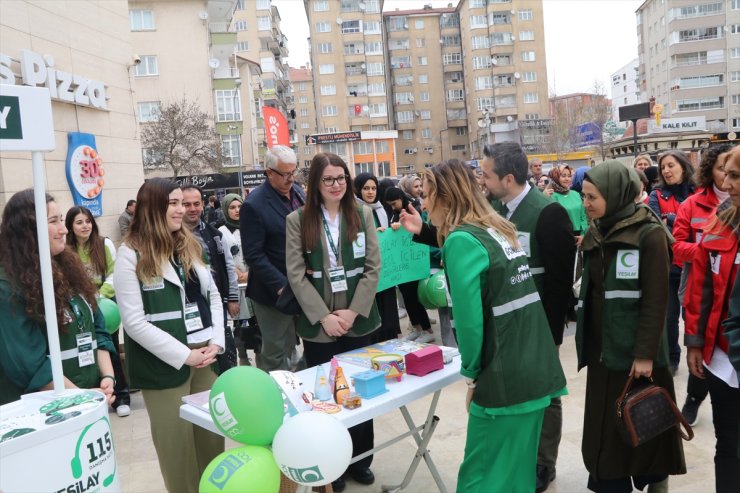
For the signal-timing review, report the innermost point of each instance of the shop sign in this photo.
(26, 123)
(333, 138)
(688, 124)
(85, 172)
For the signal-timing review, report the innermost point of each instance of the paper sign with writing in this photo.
(402, 260)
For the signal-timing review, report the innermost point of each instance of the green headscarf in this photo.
(230, 223)
(619, 185)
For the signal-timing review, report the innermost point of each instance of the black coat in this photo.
(262, 228)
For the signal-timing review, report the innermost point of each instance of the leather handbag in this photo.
(645, 410)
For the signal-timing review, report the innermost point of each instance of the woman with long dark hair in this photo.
(676, 185)
(173, 323)
(713, 273)
(24, 363)
(333, 265)
(98, 255)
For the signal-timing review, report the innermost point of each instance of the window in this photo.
(461, 130)
(734, 52)
(384, 168)
(484, 103)
(351, 27)
(242, 46)
(459, 147)
(324, 47)
(424, 96)
(329, 90)
(405, 116)
(419, 24)
(378, 109)
(407, 134)
(148, 112)
(420, 42)
(321, 5)
(374, 48)
(480, 42)
(239, 5)
(330, 110)
(423, 60)
(528, 56)
(449, 20)
(372, 27)
(700, 103)
(141, 20)
(477, 21)
(381, 146)
(451, 40)
(326, 68)
(457, 114)
(410, 150)
(426, 133)
(426, 115)
(500, 18)
(474, 4)
(403, 98)
(372, 6)
(699, 81)
(735, 5)
(526, 35)
(228, 105)
(240, 25)
(735, 76)
(455, 95)
(398, 44)
(232, 150)
(451, 58)
(147, 67)
(398, 23)
(362, 147)
(304, 111)
(376, 89)
(303, 100)
(525, 15)
(263, 4)
(423, 79)
(735, 29)
(531, 116)
(484, 82)
(736, 99)
(529, 77)
(375, 68)
(305, 124)
(323, 27)
(480, 62)
(354, 48)
(302, 86)
(498, 39)
(531, 97)
(363, 168)
(264, 23)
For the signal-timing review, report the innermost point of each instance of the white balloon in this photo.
(312, 448)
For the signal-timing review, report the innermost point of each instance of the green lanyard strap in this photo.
(330, 239)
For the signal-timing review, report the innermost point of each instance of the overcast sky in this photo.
(586, 40)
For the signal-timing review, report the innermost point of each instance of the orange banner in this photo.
(276, 127)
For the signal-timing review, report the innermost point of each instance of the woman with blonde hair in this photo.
(173, 322)
(508, 355)
(642, 161)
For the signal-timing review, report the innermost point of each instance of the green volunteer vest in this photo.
(353, 268)
(88, 376)
(525, 219)
(621, 314)
(163, 309)
(519, 361)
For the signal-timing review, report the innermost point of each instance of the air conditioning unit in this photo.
(411, 99)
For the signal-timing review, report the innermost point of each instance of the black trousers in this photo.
(697, 388)
(726, 418)
(673, 313)
(390, 326)
(317, 353)
(120, 390)
(416, 311)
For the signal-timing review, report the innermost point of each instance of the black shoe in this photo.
(690, 410)
(362, 476)
(545, 476)
(338, 485)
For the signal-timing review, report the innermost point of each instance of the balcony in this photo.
(225, 73)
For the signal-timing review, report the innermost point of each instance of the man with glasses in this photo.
(262, 228)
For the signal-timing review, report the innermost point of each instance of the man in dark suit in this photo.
(262, 228)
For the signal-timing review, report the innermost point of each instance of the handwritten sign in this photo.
(402, 260)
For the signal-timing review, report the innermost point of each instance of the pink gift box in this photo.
(424, 361)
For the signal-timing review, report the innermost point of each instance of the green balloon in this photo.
(246, 469)
(436, 290)
(246, 404)
(110, 312)
(421, 291)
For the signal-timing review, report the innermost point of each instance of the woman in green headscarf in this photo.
(621, 311)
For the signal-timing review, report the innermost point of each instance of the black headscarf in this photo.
(361, 180)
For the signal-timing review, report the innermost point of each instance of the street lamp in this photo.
(234, 94)
(485, 122)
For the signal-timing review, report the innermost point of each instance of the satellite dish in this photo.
(417, 112)
(481, 123)
(203, 15)
(362, 65)
(441, 41)
(494, 60)
(509, 118)
(214, 63)
(339, 21)
(513, 38)
(517, 75)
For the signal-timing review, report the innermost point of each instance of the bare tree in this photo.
(598, 111)
(182, 139)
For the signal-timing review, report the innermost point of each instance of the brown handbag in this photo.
(645, 410)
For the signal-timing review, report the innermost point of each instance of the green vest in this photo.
(163, 309)
(525, 219)
(85, 377)
(353, 268)
(621, 309)
(519, 361)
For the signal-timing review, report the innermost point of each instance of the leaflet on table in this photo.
(364, 356)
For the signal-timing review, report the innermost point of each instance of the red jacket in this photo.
(691, 218)
(708, 290)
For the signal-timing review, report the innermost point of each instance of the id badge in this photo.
(192, 318)
(358, 246)
(338, 279)
(85, 355)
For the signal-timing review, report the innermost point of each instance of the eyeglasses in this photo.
(329, 181)
(286, 175)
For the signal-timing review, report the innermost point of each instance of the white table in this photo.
(398, 396)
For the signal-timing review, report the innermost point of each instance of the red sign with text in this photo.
(276, 127)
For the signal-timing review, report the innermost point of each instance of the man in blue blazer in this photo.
(262, 228)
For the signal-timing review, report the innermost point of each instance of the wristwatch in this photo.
(471, 383)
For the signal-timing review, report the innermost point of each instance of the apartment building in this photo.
(504, 68)
(625, 88)
(425, 69)
(302, 90)
(689, 59)
(261, 39)
(47, 37)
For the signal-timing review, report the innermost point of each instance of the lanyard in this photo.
(181, 274)
(78, 315)
(330, 239)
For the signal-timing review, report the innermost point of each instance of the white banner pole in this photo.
(47, 280)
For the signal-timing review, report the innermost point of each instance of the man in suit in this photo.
(546, 233)
(262, 228)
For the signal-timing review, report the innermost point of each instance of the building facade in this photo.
(302, 92)
(625, 87)
(47, 36)
(689, 59)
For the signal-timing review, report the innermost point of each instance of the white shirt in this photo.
(334, 230)
(514, 203)
(721, 368)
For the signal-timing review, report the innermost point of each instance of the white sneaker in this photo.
(425, 337)
(413, 335)
(123, 410)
